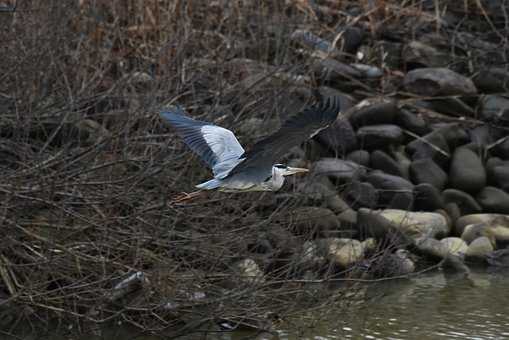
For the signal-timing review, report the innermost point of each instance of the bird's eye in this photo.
(280, 166)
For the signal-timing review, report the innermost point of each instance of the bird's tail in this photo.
(209, 185)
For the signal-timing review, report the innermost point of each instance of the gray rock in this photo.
(493, 200)
(479, 248)
(427, 171)
(416, 53)
(463, 221)
(339, 137)
(455, 246)
(492, 80)
(474, 231)
(484, 135)
(418, 224)
(344, 252)
(411, 122)
(360, 157)
(361, 194)
(499, 174)
(495, 108)
(438, 81)
(351, 38)
(368, 71)
(431, 247)
(403, 161)
(427, 198)
(454, 133)
(388, 184)
(310, 40)
(306, 220)
(433, 145)
(501, 148)
(453, 264)
(382, 161)
(402, 200)
(376, 136)
(465, 202)
(467, 172)
(333, 70)
(338, 169)
(373, 224)
(248, 271)
(499, 258)
(374, 111)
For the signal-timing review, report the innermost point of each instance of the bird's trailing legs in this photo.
(185, 197)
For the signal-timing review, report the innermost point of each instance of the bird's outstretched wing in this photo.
(297, 129)
(217, 147)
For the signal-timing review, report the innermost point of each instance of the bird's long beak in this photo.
(291, 171)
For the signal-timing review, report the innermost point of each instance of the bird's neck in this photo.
(277, 179)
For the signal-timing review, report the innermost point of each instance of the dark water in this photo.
(432, 306)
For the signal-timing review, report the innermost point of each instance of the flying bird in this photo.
(258, 169)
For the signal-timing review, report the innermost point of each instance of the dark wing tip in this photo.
(330, 107)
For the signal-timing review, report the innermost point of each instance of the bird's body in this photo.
(236, 170)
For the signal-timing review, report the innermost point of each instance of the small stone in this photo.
(431, 247)
(479, 248)
(376, 136)
(466, 203)
(427, 171)
(474, 231)
(465, 220)
(248, 271)
(402, 200)
(493, 200)
(433, 145)
(344, 252)
(467, 172)
(361, 194)
(491, 80)
(339, 137)
(418, 224)
(495, 108)
(374, 111)
(412, 122)
(333, 70)
(501, 148)
(427, 198)
(418, 54)
(438, 82)
(388, 184)
(455, 246)
(338, 169)
(500, 175)
(360, 157)
(382, 161)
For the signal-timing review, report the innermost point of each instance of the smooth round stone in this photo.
(427, 171)
(403, 161)
(453, 211)
(389, 184)
(427, 198)
(431, 247)
(474, 231)
(455, 246)
(484, 135)
(312, 219)
(344, 252)
(501, 149)
(433, 146)
(465, 202)
(493, 79)
(493, 200)
(453, 133)
(417, 224)
(467, 172)
(402, 200)
(479, 248)
(338, 169)
(248, 271)
(375, 136)
(500, 175)
(361, 194)
(360, 157)
(411, 122)
(339, 137)
(432, 81)
(374, 111)
(495, 108)
(466, 220)
(382, 161)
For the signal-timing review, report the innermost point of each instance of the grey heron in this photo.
(258, 169)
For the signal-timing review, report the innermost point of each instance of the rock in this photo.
(248, 271)
(467, 172)
(360, 157)
(391, 265)
(368, 71)
(338, 169)
(454, 134)
(483, 135)
(432, 145)
(453, 211)
(403, 161)
(455, 246)
(382, 161)
(463, 221)
(369, 245)
(389, 184)
(361, 194)
(373, 224)
(417, 54)
(495, 108)
(431, 247)
(418, 224)
(344, 252)
(427, 171)
(451, 106)
(501, 148)
(336, 204)
(373, 111)
(493, 200)
(492, 80)
(411, 122)
(351, 38)
(311, 41)
(333, 70)
(339, 137)
(316, 220)
(438, 82)
(464, 201)
(309, 257)
(498, 258)
(402, 200)
(454, 264)
(427, 198)
(496, 230)
(376, 136)
(474, 231)
(499, 174)
(479, 248)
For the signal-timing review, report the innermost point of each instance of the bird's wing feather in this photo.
(297, 129)
(215, 145)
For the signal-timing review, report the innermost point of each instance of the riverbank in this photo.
(412, 176)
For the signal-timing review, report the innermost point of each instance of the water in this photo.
(432, 306)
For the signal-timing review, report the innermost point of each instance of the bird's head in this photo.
(285, 170)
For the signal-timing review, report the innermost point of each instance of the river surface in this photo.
(431, 306)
